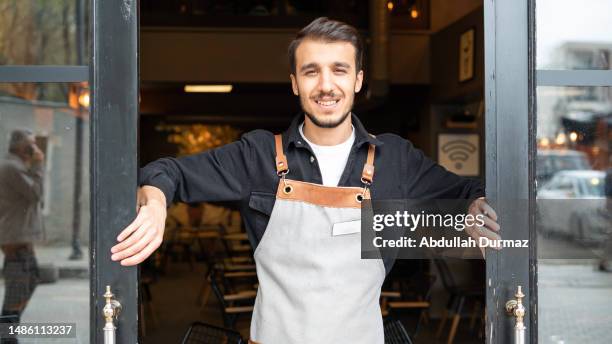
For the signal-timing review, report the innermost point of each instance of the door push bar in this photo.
(515, 308)
(111, 311)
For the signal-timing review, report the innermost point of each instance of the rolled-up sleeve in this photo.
(217, 175)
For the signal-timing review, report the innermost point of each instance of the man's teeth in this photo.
(327, 102)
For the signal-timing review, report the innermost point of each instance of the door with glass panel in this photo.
(549, 113)
(68, 107)
(573, 171)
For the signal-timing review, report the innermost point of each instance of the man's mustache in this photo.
(325, 95)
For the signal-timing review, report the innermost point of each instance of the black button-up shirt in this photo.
(244, 173)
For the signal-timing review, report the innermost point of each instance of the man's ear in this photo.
(359, 81)
(294, 85)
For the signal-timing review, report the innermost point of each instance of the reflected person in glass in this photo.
(21, 182)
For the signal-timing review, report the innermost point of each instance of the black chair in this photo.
(235, 293)
(228, 260)
(395, 333)
(201, 333)
(408, 288)
(459, 294)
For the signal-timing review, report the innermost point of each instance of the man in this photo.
(21, 182)
(299, 194)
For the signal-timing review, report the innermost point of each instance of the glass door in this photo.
(549, 108)
(573, 171)
(68, 109)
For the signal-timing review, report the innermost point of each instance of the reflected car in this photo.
(573, 204)
(551, 161)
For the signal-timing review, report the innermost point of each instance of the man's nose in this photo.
(326, 84)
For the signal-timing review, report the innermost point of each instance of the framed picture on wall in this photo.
(466, 55)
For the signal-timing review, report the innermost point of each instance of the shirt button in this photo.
(299, 142)
(312, 159)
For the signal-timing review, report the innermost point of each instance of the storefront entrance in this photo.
(537, 115)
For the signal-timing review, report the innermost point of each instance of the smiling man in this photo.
(300, 195)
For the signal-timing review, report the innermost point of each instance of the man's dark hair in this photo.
(328, 30)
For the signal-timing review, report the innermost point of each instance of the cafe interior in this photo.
(212, 70)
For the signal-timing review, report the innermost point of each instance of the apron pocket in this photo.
(348, 227)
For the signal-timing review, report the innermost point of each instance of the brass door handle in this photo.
(111, 311)
(514, 307)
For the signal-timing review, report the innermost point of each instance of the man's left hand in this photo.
(490, 229)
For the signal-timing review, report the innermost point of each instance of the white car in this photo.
(573, 204)
(551, 161)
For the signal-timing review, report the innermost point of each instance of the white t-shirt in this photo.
(332, 159)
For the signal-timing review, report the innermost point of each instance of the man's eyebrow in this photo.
(342, 64)
(308, 66)
(315, 65)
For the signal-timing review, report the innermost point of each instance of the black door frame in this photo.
(114, 158)
(510, 151)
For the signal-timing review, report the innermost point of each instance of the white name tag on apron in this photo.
(349, 227)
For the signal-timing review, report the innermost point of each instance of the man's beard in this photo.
(320, 124)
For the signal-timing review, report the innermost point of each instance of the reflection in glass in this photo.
(44, 205)
(574, 225)
(44, 32)
(573, 34)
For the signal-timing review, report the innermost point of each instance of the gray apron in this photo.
(313, 285)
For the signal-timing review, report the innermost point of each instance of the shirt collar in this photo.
(292, 134)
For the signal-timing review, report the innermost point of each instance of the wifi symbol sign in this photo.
(458, 151)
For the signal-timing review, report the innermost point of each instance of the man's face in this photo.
(326, 80)
(24, 149)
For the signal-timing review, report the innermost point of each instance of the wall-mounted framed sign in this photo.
(459, 153)
(466, 55)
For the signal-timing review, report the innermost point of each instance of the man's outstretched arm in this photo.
(217, 175)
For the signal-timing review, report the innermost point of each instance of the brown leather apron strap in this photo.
(281, 159)
(368, 169)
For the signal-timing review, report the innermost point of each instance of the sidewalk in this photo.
(56, 257)
(574, 304)
(66, 300)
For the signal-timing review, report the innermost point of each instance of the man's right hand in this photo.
(145, 234)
